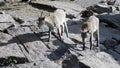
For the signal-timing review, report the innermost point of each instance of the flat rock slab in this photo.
(39, 64)
(5, 21)
(115, 54)
(9, 47)
(108, 33)
(100, 60)
(86, 3)
(31, 43)
(6, 18)
(11, 50)
(72, 9)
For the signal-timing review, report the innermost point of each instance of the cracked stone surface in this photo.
(25, 45)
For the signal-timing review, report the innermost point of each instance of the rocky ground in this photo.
(24, 45)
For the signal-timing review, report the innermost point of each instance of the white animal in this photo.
(57, 20)
(90, 26)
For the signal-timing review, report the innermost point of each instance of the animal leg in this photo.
(97, 38)
(65, 24)
(59, 31)
(91, 40)
(83, 39)
(49, 35)
(62, 29)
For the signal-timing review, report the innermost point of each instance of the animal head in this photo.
(84, 30)
(41, 19)
(86, 13)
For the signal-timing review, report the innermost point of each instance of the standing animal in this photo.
(90, 26)
(57, 20)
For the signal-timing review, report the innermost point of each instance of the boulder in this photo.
(100, 8)
(111, 2)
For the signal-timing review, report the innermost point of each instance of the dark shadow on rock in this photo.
(43, 7)
(70, 16)
(2, 3)
(111, 20)
(42, 34)
(26, 0)
(74, 26)
(72, 61)
(12, 60)
(82, 65)
(100, 9)
(58, 53)
(23, 38)
(111, 45)
(61, 51)
(76, 41)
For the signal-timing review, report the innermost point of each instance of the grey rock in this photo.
(110, 43)
(111, 20)
(74, 9)
(111, 2)
(9, 48)
(118, 8)
(104, 59)
(114, 54)
(6, 21)
(34, 39)
(9, 1)
(118, 48)
(62, 0)
(2, 2)
(100, 8)
(73, 62)
(28, 1)
(40, 64)
(102, 47)
(117, 3)
(108, 33)
(87, 3)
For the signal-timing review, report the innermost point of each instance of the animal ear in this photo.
(86, 13)
(84, 26)
(41, 18)
(89, 13)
